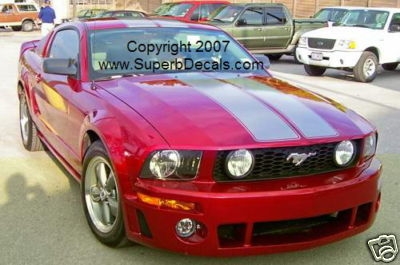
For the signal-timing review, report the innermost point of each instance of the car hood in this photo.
(339, 32)
(209, 109)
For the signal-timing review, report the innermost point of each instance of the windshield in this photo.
(374, 19)
(164, 8)
(331, 14)
(226, 14)
(132, 51)
(178, 10)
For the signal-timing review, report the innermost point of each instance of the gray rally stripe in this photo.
(305, 119)
(262, 122)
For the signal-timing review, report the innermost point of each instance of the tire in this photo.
(27, 25)
(390, 66)
(366, 67)
(274, 56)
(29, 133)
(16, 28)
(296, 61)
(313, 70)
(101, 198)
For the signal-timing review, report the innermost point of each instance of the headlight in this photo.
(347, 44)
(345, 153)
(370, 145)
(303, 41)
(164, 163)
(172, 164)
(239, 163)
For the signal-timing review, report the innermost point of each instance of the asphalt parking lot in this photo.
(42, 221)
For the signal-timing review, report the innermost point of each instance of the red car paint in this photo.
(134, 116)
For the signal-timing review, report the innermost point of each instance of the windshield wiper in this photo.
(361, 26)
(111, 77)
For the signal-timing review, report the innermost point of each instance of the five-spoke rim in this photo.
(24, 120)
(101, 194)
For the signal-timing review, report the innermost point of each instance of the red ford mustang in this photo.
(182, 140)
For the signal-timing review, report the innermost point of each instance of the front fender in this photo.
(128, 140)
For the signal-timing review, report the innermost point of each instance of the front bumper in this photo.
(243, 219)
(328, 59)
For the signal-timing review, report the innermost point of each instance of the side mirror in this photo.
(59, 66)
(241, 22)
(264, 60)
(195, 17)
(394, 28)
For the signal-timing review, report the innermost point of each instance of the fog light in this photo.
(185, 227)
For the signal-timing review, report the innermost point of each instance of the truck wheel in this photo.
(313, 70)
(390, 66)
(16, 28)
(275, 56)
(366, 67)
(295, 56)
(27, 25)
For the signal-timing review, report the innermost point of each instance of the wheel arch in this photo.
(108, 131)
(27, 20)
(374, 50)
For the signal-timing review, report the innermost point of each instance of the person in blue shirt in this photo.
(47, 15)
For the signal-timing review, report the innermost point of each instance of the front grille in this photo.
(323, 44)
(272, 163)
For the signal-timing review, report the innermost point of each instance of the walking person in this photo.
(47, 16)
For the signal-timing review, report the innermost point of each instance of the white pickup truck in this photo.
(364, 39)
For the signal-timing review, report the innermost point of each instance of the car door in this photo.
(392, 40)
(54, 92)
(249, 28)
(278, 30)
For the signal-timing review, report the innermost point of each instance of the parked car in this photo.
(264, 27)
(90, 13)
(19, 16)
(364, 39)
(333, 14)
(164, 8)
(121, 14)
(182, 140)
(189, 10)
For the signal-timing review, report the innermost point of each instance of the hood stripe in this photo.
(309, 123)
(262, 122)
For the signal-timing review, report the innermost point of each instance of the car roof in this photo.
(390, 9)
(256, 4)
(113, 23)
(343, 7)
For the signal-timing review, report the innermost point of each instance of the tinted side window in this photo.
(275, 16)
(7, 9)
(252, 16)
(395, 23)
(65, 45)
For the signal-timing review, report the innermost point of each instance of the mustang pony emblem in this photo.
(297, 158)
